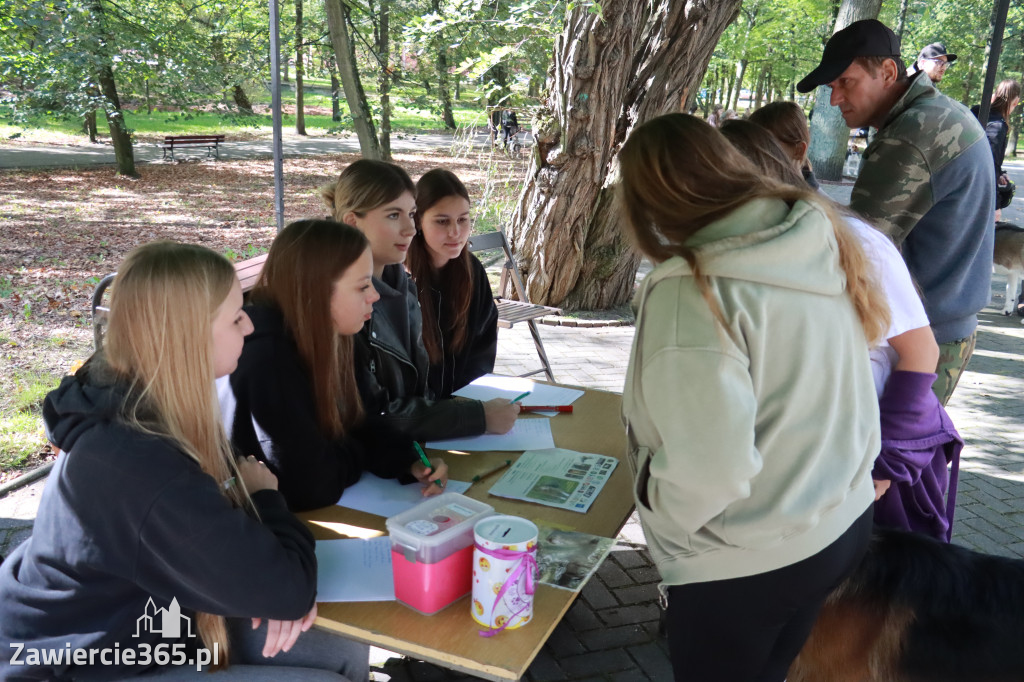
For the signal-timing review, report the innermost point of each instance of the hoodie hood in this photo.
(79, 403)
(749, 243)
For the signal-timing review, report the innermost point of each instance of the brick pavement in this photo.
(610, 633)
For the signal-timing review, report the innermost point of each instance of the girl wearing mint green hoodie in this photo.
(749, 400)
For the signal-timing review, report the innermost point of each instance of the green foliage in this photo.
(21, 429)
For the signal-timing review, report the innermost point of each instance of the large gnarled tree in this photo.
(634, 61)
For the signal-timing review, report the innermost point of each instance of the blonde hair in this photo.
(679, 175)
(159, 343)
(363, 186)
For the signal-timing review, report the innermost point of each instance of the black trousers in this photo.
(750, 629)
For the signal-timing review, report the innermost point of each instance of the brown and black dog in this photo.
(920, 610)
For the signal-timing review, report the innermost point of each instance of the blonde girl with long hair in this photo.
(147, 510)
(294, 400)
(749, 402)
(392, 364)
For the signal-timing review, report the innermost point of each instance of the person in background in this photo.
(789, 126)
(1004, 100)
(147, 510)
(715, 119)
(933, 60)
(392, 365)
(925, 180)
(919, 440)
(751, 452)
(294, 401)
(460, 320)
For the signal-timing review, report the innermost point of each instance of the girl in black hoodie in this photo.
(297, 405)
(147, 518)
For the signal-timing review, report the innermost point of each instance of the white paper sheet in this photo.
(386, 496)
(527, 434)
(354, 570)
(491, 386)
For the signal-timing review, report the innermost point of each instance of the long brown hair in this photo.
(1007, 91)
(363, 186)
(679, 175)
(454, 280)
(159, 343)
(304, 262)
(760, 147)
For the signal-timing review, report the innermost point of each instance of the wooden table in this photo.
(450, 638)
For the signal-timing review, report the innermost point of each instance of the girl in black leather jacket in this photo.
(392, 365)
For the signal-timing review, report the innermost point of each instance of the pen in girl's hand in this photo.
(520, 397)
(426, 462)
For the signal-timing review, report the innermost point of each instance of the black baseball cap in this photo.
(865, 38)
(936, 50)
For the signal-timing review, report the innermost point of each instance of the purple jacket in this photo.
(918, 443)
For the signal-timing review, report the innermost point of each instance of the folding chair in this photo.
(509, 311)
(100, 311)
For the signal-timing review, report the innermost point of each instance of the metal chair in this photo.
(509, 311)
(99, 310)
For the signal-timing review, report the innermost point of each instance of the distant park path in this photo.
(77, 156)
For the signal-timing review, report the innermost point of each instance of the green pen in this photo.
(518, 398)
(426, 462)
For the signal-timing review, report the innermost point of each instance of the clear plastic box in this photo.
(432, 550)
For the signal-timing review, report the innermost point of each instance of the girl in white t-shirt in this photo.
(918, 439)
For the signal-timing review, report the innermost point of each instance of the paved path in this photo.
(78, 156)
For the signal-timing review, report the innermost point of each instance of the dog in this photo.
(1008, 259)
(920, 610)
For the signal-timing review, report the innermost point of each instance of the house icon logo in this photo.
(165, 622)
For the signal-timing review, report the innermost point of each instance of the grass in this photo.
(412, 111)
(21, 426)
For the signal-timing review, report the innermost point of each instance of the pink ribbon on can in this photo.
(527, 562)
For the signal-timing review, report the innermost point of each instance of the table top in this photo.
(450, 638)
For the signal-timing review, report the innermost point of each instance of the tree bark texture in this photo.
(345, 54)
(609, 75)
(443, 93)
(300, 72)
(384, 80)
(124, 154)
(829, 133)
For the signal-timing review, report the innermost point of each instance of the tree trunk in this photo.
(335, 89)
(609, 75)
(739, 85)
(458, 87)
(384, 79)
(300, 71)
(901, 20)
(345, 54)
(241, 100)
(829, 133)
(149, 103)
(89, 125)
(444, 97)
(119, 135)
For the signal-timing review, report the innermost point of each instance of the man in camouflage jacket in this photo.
(926, 181)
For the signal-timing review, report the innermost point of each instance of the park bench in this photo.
(211, 142)
(512, 311)
(248, 272)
